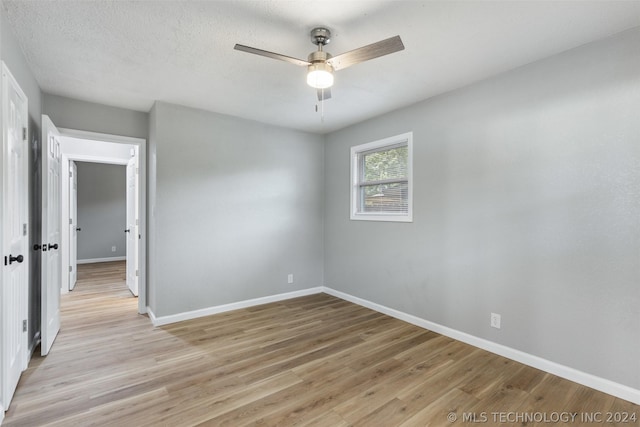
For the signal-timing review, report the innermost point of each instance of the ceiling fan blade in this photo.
(365, 53)
(272, 55)
(324, 94)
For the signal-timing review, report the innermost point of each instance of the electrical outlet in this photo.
(290, 278)
(495, 320)
(113, 248)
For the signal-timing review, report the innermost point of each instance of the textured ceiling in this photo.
(131, 53)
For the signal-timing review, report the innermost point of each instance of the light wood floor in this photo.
(315, 361)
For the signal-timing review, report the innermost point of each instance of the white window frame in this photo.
(405, 138)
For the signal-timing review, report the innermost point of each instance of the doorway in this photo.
(71, 144)
(102, 217)
(80, 146)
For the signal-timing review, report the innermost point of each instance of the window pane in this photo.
(391, 198)
(386, 164)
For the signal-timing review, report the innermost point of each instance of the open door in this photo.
(51, 277)
(15, 238)
(132, 226)
(73, 224)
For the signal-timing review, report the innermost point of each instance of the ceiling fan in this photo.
(321, 65)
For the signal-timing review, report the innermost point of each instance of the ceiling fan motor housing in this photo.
(320, 36)
(318, 56)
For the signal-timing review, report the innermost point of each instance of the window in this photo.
(381, 180)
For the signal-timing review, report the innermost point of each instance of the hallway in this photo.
(84, 369)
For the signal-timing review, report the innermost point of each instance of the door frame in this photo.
(67, 159)
(72, 230)
(132, 225)
(65, 196)
(141, 152)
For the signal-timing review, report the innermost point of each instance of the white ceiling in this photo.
(131, 53)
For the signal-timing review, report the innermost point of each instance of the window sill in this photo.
(383, 218)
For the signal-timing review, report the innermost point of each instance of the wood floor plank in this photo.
(313, 361)
(320, 395)
(455, 402)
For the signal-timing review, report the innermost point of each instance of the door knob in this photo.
(17, 259)
(78, 229)
(37, 247)
(54, 246)
(127, 230)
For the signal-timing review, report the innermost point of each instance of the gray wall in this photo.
(88, 116)
(102, 210)
(12, 55)
(526, 205)
(236, 206)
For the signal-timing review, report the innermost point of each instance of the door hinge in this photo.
(24, 326)
(70, 174)
(24, 229)
(70, 269)
(137, 273)
(24, 134)
(137, 222)
(137, 171)
(70, 221)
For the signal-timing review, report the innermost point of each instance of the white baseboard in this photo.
(93, 260)
(164, 320)
(1, 413)
(152, 316)
(589, 380)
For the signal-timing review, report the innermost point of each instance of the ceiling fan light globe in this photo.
(320, 76)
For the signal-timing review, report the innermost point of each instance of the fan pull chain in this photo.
(321, 107)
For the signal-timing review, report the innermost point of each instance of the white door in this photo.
(15, 239)
(132, 227)
(51, 276)
(73, 224)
